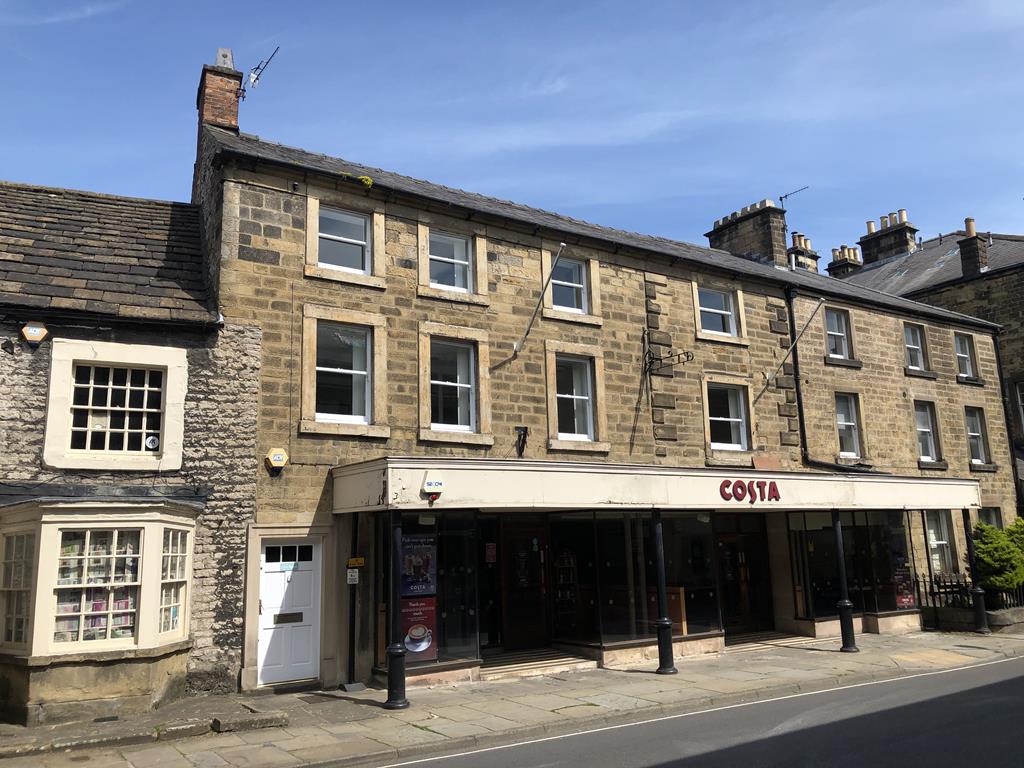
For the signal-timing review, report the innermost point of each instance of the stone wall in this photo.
(219, 459)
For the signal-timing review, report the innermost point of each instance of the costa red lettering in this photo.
(751, 492)
(761, 489)
(724, 490)
(773, 491)
(739, 491)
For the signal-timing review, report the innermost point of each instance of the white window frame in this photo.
(915, 345)
(582, 268)
(938, 536)
(366, 243)
(743, 419)
(64, 354)
(931, 430)
(587, 396)
(976, 436)
(340, 418)
(966, 359)
(853, 427)
(174, 575)
(16, 583)
(730, 311)
(470, 347)
(468, 263)
(843, 333)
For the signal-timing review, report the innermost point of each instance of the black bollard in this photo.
(666, 665)
(396, 648)
(844, 605)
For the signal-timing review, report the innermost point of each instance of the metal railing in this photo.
(954, 591)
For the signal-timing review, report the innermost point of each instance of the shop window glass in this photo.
(940, 546)
(574, 577)
(689, 574)
(622, 553)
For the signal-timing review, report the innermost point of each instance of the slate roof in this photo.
(935, 263)
(85, 252)
(249, 146)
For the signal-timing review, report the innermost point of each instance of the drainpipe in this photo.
(791, 293)
(1008, 416)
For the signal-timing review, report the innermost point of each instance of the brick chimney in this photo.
(801, 255)
(845, 261)
(893, 236)
(757, 232)
(217, 97)
(973, 251)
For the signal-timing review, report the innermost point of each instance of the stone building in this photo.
(495, 417)
(976, 273)
(127, 477)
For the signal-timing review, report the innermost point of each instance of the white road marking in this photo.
(724, 708)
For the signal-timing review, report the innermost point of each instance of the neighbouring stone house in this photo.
(127, 476)
(494, 416)
(976, 273)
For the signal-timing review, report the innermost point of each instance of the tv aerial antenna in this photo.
(782, 198)
(256, 73)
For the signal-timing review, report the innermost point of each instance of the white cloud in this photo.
(58, 16)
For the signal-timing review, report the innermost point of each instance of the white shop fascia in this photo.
(497, 484)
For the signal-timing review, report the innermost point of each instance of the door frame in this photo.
(332, 612)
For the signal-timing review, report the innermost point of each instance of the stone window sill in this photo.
(465, 438)
(719, 458)
(96, 656)
(843, 362)
(339, 276)
(587, 446)
(970, 381)
(988, 467)
(721, 338)
(429, 292)
(936, 465)
(551, 313)
(920, 374)
(306, 426)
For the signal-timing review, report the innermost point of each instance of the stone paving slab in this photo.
(334, 728)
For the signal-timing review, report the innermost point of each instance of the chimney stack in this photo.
(801, 255)
(895, 235)
(973, 251)
(844, 261)
(217, 97)
(756, 232)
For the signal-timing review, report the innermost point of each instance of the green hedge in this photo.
(999, 556)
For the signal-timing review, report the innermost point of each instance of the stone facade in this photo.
(218, 468)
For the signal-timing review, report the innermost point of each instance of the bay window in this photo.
(19, 551)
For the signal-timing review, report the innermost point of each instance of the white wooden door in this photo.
(289, 640)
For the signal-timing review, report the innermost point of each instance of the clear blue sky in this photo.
(657, 117)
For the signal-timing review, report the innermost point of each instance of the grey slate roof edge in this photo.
(252, 147)
(964, 280)
(90, 193)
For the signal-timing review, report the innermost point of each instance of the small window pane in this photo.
(305, 553)
(346, 225)
(566, 296)
(335, 253)
(288, 554)
(273, 555)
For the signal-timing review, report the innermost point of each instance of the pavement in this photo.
(335, 728)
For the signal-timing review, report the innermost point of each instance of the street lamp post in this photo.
(977, 593)
(844, 605)
(396, 648)
(666, 665)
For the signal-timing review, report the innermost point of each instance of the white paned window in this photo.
(927, 440)
(966, 365)
(343, 379)
(977, 443)
(939, 548)
(847, 425)
(569, 286)
(913, 337)
(452, 386)
(574, 393)
(837, 331)
(727, 416)
(97, 585)
(450, 262)
(344, 241)
(173, 579)
(16, 585)
(717, 312)
(117, 409)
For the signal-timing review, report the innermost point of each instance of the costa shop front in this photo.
(467, 559)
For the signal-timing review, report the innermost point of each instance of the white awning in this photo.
(498, 484)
